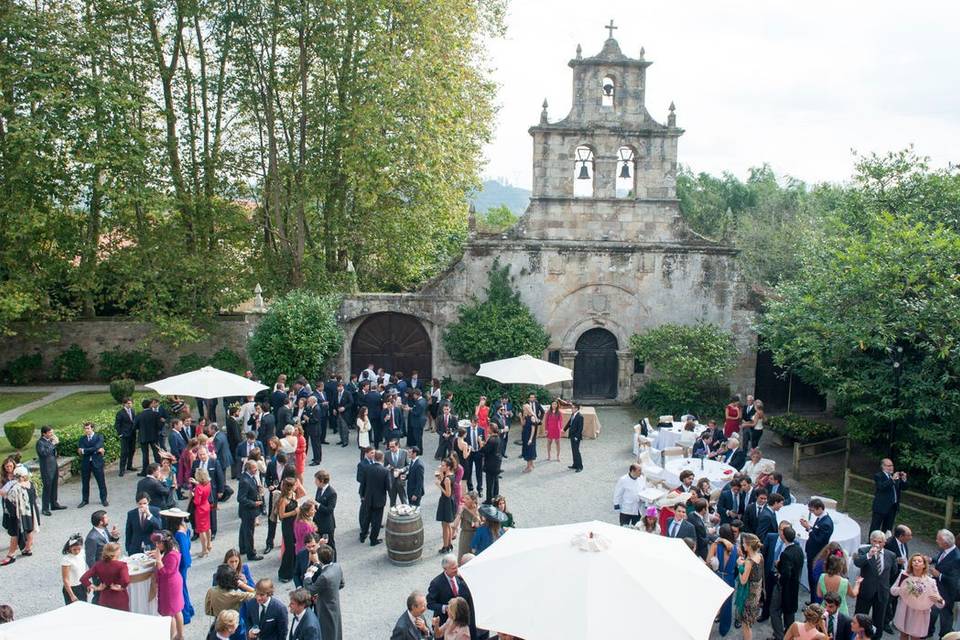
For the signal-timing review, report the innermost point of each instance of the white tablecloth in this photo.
(846, 532)
(139, 588)
(718, 473)
(669, 437)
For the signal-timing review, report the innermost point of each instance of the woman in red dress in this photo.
(732, 415)
(301, 454)
(553, 422)
(201, 509)
(483, 413)
(114, 578)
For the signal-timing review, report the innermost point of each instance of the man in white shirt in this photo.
(626, 496)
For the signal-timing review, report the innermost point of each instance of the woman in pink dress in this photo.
(201, 509)
(169, 583)
(918, 594)
(553, 421)
(811, 628)
(304, 526)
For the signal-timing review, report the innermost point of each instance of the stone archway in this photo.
(394, 341)
(596, 365)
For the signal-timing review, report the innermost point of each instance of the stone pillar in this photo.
(568, 360)
(624, 375)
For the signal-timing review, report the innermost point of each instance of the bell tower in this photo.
(607, 171)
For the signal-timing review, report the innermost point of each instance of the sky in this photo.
(800, 86)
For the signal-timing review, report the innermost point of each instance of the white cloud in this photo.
(797, 85)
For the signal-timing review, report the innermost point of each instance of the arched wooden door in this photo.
(394, 341)
(595, 368)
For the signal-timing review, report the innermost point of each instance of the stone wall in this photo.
(103, 334)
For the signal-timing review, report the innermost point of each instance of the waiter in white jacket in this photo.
(626, 497)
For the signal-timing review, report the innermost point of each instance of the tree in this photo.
(297, 336)
(871, 316)
(499, 327)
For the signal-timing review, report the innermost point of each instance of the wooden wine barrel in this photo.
(404, 538)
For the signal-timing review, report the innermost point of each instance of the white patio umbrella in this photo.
(615, 577)
(525, 370)
(206, 383)
(84, 620)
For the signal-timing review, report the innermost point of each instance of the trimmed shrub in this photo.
(103, 424)
(137, 364)
(660, 398)
(71, 365)
(122, 388)
(189, 362)
(467, 392)
(24, 369)
(19, 433)
(801, 429)
(227, 360)
(297, 336)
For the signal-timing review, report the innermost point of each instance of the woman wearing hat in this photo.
(176, 520)
(21, 514)
(166, 557)
(72, 566)
(649, 523)
(491, 530)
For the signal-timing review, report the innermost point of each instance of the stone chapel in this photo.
(600, 254)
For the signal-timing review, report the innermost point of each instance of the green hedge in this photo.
(103, 424)
(19, 433)
(467, 392)
(801, 429)
(704, 403)
(71, 365)
(137, 364)
(24, 369)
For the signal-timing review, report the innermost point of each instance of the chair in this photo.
(671, 452)
(665, 420)
(829, 503)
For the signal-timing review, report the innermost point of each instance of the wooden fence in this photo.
(947, 505)
(813, 450)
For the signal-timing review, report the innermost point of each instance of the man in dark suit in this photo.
(49, 472)
(374, 403)
(250, 501)
(314, 418)
(217, 483)
(416, 420)
(147, 425)
(141, 523)
(729, 503)
(365, 461)
(776, 486)
(90, 448)
(326, 497)
(898, 545)
(374, 487)
(395, 460)
(341, 407)
(819, 533)
(490, 452)
(837, 624)
(474, 463)
(411, 625)
(325, 395)
(276, 469)
(679, 527)
(575, 429)
(448, 585)
(98, 537)
(267, 428)
(785, 594)
(284, 415)
(125, 427)
(158, 492)
(446, 427)
(698, 518)
(945, 568)
(265, 612)
(733, 455)
(876, 565)
(758, 519)
(392, 418)
(771, 546)
(415, 473)
(888, 489)
(303, 621)
(176, 442)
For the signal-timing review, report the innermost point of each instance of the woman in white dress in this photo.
(363, 430)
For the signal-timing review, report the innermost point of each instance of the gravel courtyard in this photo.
(375, 590)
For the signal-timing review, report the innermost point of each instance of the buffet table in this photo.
(846, 532)
(591, 424)
(143, 587)
(719, 473)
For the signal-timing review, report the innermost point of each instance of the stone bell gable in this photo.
(600, 254)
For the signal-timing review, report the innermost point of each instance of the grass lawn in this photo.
(13, 400)
(76, 407)
(27, 454)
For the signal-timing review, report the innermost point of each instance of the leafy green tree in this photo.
(297, 336)
(499, 327)
(495, 219)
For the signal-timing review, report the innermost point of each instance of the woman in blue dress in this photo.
(528, 437)
(491, 530)
(725, 552)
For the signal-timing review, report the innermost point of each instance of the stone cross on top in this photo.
(610, 28)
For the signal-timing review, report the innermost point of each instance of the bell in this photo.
(584, 174)
(625, 170)
(608, 90)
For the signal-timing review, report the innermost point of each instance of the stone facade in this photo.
(618, 259)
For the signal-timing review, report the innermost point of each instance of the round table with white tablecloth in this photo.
(142, 590)
(719, 473)
(667, 437)
(846, 533)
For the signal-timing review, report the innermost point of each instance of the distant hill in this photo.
(496, 193)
